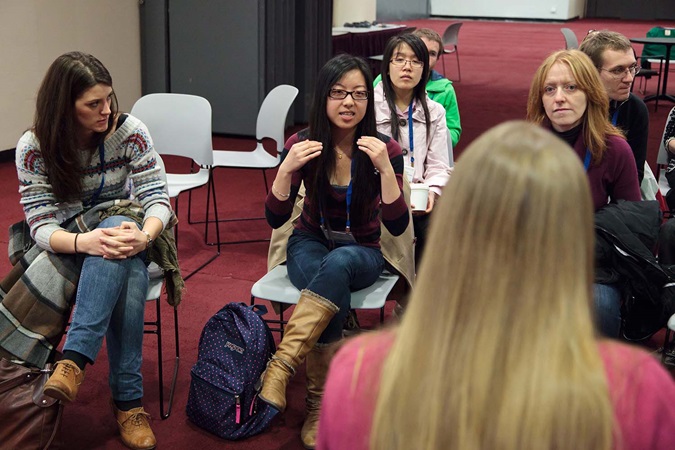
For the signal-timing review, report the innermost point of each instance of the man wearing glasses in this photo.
(614, 57)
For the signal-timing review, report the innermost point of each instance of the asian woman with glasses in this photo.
(405, 112)
(353, 178)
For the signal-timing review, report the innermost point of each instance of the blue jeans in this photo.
(332, 274)
(110, 302)
(607, 299)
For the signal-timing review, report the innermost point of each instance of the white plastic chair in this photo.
(180, 125)
(571, 41)
(271, 123)
(450, 39)
(275, 286)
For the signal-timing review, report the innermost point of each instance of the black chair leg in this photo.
(165, 410)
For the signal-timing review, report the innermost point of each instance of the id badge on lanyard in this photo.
(342, 237)
(339, 237)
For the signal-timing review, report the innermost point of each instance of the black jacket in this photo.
(626, 237)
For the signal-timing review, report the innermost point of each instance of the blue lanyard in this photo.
(101, 154)
(615, 116)
(349, 198)
(350, 189)
(410, 134)
(587, 159)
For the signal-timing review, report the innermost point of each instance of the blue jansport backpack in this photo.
(234, 348)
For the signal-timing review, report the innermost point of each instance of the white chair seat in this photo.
(276, 286)
(156, 281)
(256, 159)
(179, 182)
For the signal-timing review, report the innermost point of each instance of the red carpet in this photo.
(497, 61)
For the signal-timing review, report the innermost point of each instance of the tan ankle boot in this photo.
(309, 319)
(317, 368)
(65, 381)
(134, 426)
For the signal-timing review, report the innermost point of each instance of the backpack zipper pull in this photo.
(238, 409)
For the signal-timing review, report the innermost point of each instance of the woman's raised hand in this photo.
(377, 152)
(299, 154)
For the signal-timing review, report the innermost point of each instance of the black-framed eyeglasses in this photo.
(341, 94)
(400, 62)
(620, 72)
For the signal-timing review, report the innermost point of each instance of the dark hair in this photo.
(366, 183)
(420, 91)
(55, 125)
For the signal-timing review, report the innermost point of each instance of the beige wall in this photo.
(352, 11)
(34, 32)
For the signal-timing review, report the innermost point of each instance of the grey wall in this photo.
(402, 9)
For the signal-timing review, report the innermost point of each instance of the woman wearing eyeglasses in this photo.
(567, 97)
(353, 178)
(406, 113)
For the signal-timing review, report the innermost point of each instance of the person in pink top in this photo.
(497, 349)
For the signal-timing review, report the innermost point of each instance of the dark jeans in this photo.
(607, 300)
(110, 302)
(332, 274)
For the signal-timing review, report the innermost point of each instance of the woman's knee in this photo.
(353, 259)
(113, 221)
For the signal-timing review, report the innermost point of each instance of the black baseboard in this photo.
(7, 155)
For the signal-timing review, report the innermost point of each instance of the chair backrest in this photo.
(662, 158)
(451, 34)
(571, 41)
(179, 124)
(272, 114)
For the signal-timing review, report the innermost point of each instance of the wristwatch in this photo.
(150, 239)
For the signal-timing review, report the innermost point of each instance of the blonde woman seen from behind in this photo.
(502, 354)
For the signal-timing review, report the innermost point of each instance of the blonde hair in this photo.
(595, 121)
(497, 348)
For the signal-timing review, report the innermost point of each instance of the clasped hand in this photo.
(119, 242)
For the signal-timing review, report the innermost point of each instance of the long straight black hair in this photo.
(419, 92)
(365, 181)
(55, 124)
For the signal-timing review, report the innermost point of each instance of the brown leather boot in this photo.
(309, 319)
(65, 381)
(317, 368)
(135, 428)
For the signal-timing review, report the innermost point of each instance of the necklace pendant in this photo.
(339, 155)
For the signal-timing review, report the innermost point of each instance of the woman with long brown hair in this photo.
(497, 349)
(94, 199)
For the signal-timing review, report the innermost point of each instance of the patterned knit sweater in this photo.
(130, 167)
